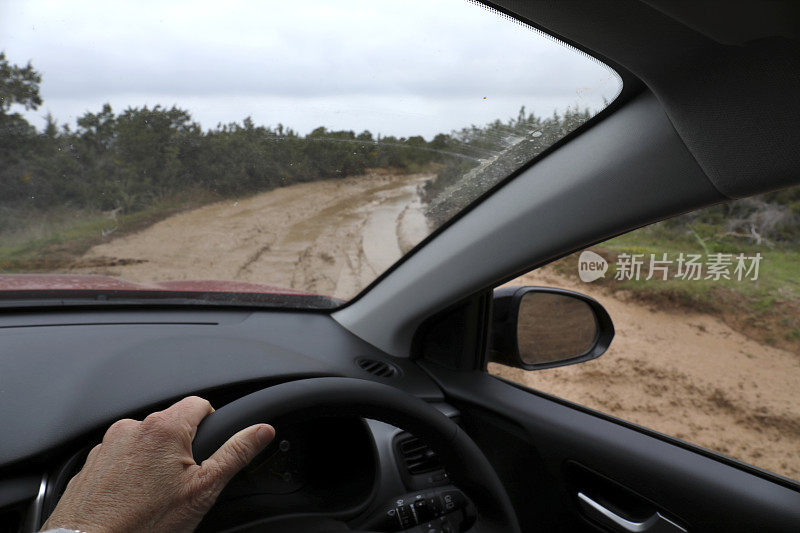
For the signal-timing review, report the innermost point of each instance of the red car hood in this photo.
(70, 282)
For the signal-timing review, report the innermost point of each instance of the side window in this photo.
(706, 308)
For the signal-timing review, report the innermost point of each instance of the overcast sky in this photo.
(399, 67)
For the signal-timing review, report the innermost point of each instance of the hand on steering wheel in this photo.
(142, 476)
(311, 398)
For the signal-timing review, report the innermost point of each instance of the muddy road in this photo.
(687, 375)
(328, 237)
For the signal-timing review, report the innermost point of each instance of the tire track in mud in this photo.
(329, 237)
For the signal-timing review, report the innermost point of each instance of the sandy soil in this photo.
(687, 375)
(329, 237)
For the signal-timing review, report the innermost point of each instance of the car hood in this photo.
(37, 282)
(38, 286)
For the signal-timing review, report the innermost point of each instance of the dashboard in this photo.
(65, 376)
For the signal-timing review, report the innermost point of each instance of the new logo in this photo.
(591, 266)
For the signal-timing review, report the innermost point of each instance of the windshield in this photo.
(283, 152)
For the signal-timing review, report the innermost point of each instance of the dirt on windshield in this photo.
(684, 374)
(329, 237)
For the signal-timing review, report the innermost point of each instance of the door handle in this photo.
(657, 523)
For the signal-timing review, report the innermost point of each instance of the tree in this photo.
(18, 85)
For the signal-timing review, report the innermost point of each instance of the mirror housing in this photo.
(584, 328)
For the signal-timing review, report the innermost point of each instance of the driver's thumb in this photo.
(237, 452)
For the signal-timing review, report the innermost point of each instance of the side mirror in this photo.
(543, 327)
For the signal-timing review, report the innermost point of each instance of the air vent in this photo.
(418, 458)
(379, 368)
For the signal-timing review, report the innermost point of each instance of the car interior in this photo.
(426, 440)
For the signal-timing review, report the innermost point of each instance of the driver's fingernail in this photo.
(265, 434)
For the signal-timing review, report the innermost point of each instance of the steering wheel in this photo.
(311, 398)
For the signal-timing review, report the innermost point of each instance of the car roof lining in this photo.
(737, 22)
(728, 102)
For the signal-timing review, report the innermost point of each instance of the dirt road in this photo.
(687, 375)
(328, 237)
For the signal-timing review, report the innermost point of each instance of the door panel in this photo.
(547, 452)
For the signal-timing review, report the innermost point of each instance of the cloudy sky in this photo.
(399, 67)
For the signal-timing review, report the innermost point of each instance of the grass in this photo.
(50, 241)
(778, 279)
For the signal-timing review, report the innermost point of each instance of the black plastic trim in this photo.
(707, 491)
(730, 461)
